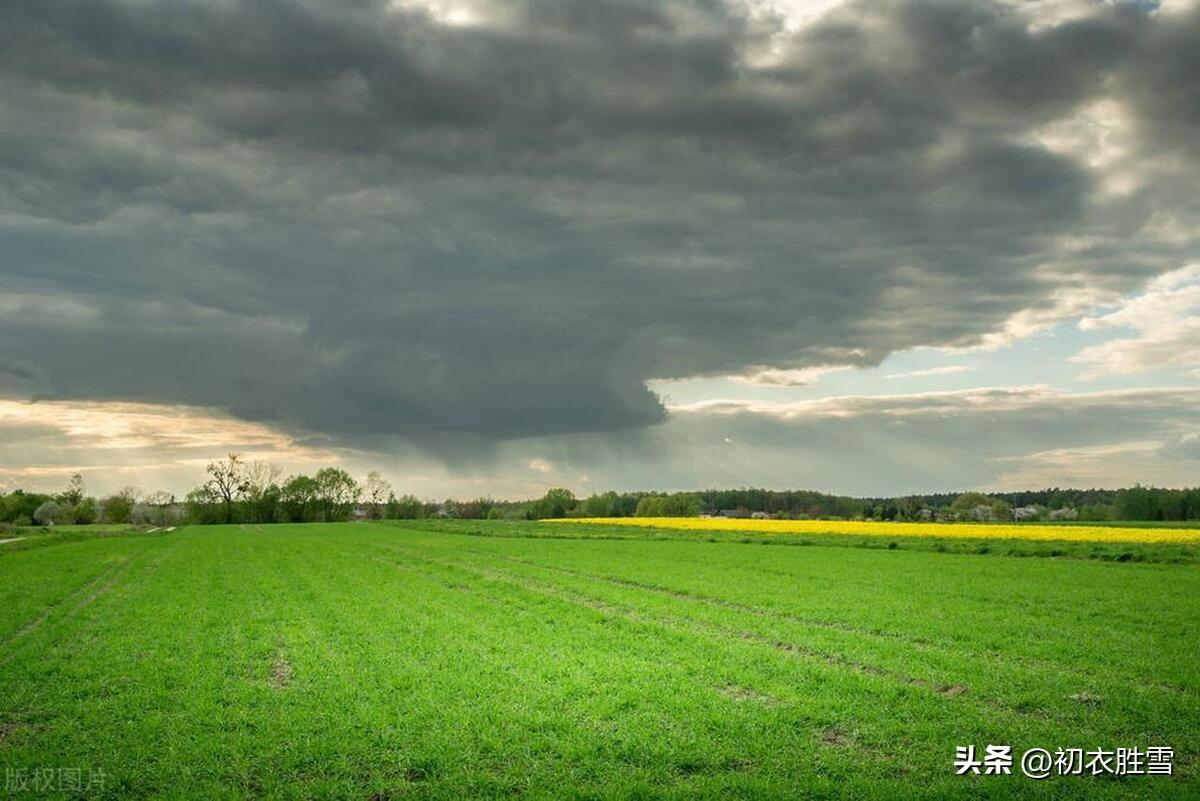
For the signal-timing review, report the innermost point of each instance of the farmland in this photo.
(434, 660)
(1023, 531)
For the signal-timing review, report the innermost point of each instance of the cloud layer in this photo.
(1003, 438)
(998, 438)
(118, 443)
(372, 221)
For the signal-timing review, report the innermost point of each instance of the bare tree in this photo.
(227, 481)
(259, 476)
(377, 489)
(157, 508)
(159, 498)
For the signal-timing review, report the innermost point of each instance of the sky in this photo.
(862, 246)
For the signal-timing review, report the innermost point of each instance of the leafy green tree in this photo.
(650, 506)
(336, 492)
(1095, 511)
(119, 507)
(977, 506)
(557, 502)
(1139, 503)
(85, 512)
(19, 506)
(298, 496)
(599, 505)
(472, 510)
(681, 504)
(203, 506)
(910, 508)
(406, 507)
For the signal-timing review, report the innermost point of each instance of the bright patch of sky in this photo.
(1150, 339)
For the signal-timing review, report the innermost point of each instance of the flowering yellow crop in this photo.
(882, 529)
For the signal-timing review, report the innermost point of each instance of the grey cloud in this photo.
(895, 444)
(354, 220)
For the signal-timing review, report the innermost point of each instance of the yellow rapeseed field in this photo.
(1024, 531)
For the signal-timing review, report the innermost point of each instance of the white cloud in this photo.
(992, 398)
(778, 377)
(1102, 135)
(1165, 321)
(445, 12)
(1063, 305)
(794, 14)
(950, 369)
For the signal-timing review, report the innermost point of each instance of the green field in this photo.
(380, 661)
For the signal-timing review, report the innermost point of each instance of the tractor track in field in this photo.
(1066, 670)
(916, 643)
(724, 603)
(79, 599)
(682, 624)
(398, 565)
(90, 585)
(952, 692)
(823, 734)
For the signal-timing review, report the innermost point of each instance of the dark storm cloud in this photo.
(352, 218)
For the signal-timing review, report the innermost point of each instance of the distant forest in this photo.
(255, 492)
(1132, 503)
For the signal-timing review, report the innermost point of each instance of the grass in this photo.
(412, 661)
(26, 537)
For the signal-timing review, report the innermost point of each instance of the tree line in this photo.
(74, 506)
(1136, 503)
(240, 491)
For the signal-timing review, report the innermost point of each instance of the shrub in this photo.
(49, 513)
